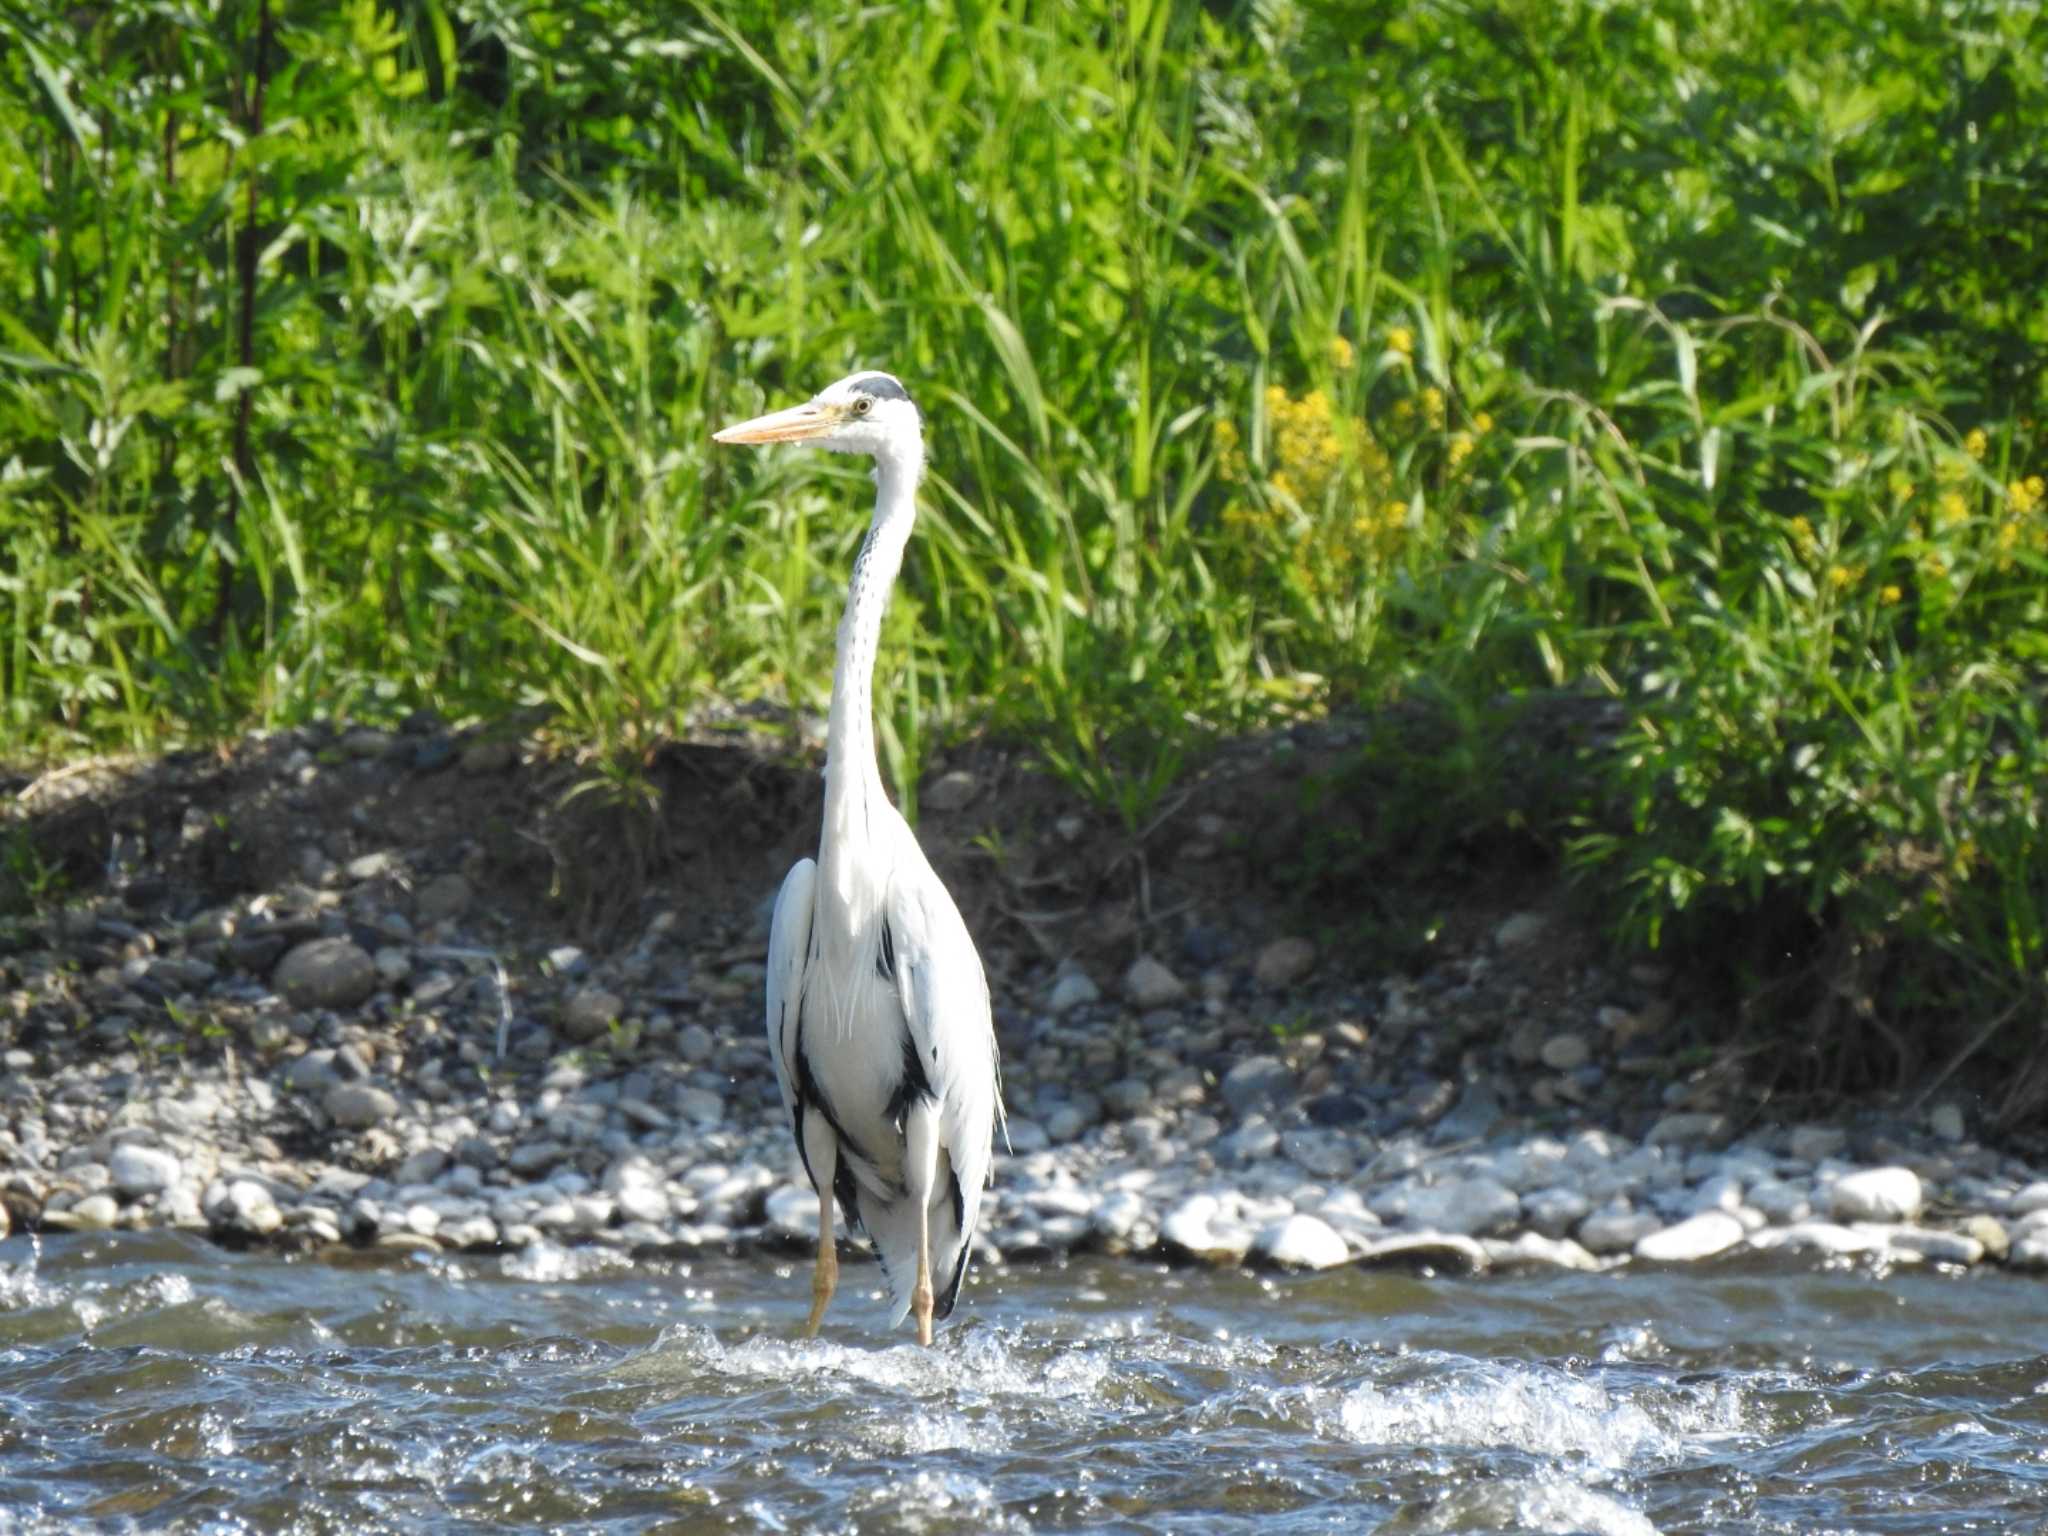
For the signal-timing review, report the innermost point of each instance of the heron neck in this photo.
(853, 775)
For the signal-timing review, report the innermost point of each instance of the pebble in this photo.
(1698, 1237)
(1257, 1082)
(1071, 990)
(357, 1106)
(326, 973)
(1566, 1052)
(1284, 963)
(590, 1012)
(1876, 1194)
(1464, 1207)
(1301, 1242)
(141, 1170)
(951, 791)
(443, 899)
(1149, 984)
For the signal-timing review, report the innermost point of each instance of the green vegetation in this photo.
(1278, 357)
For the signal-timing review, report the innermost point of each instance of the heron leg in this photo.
(921, 1168)
(822, 1151)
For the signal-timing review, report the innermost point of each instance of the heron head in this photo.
(862, 413)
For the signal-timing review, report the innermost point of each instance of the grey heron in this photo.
(878, 1010)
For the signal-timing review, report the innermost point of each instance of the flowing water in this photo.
(153, 1382)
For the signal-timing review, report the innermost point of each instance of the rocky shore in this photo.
(320, 991)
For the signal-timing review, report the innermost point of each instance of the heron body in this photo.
(878, 1011)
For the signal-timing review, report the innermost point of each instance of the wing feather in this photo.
(789, 944)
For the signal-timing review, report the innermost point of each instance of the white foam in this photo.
(1538, 1504)
(1538, 1409)
(935, 1501)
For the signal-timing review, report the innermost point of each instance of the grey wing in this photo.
(789, 944)
(944, 994)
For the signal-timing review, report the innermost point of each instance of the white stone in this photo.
(143, 1170)
(1697, 1237)
(1301, 1242)
(1532, 1250)
(1876, 1194)
(1936, 1246)
(1822, 1237)
(1198, 1228)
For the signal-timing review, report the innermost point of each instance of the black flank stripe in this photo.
(885, 962)
(911, 1086)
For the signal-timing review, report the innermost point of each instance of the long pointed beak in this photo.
(794, 425)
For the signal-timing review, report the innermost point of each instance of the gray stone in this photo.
(1876, 1194)
(1072, 990)
(1326, 1154)
(1301, 1242)
(141, 1171)
(1025, 1136)
(489, 755)
(1149, 984)
(1520, 929)
(1780, 1202)
(326, 973)
(1283, 963)
(1689, 1129)
(1814, 1143)
(1946, 1121)
(1617, 1229)
(443, 899)
(1554, 1212)
(1466, 1207)
(951, 791)
(1565, 1053)
(1127, 1096)
(358, 1106)
(590, 1012)
(1257, 1082)
(2030, 1252)
(695, 1044)
(2028, 1199)
(393, 964)
(1697, 1237)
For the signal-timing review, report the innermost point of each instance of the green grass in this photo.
(1278, 358)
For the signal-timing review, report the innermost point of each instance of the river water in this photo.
(153, 1382)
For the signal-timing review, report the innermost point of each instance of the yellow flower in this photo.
(1394, 516)
(1404, 413)
(1891, 592)
(1461, 448)
(1341, 355)
(1842, 577)
(1433, 408)
(1402, 340)
(1902, 485)
(1804, 539)
(1953, 507)
(1976, 444)
(1482, 423)
(2025, 496)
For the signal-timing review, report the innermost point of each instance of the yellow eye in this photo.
(862, 404)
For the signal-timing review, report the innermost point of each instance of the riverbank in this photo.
(392, 989)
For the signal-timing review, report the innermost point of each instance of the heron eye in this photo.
(862, 405)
